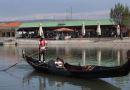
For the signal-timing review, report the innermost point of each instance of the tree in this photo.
(120, 14)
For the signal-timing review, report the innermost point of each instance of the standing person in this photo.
(42, 48)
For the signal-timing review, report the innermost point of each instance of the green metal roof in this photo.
(68, 23)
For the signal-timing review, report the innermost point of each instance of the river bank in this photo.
(88, 42)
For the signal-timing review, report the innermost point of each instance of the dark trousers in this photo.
(42, 55)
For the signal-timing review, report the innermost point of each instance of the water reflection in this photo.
(8, 51)
(107, 57)
(118, 57)
(98, 56)
(47, 81)
(84, 57)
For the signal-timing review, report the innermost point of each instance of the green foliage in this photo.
(120, 14)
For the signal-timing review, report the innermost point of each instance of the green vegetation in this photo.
(121, 14)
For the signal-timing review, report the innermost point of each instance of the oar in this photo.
(9, 67)
(23, 55)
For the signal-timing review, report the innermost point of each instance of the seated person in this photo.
(59, 63)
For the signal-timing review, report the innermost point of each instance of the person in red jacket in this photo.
(42, 48)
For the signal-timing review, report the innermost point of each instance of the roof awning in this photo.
(64, 30)
(10, 25)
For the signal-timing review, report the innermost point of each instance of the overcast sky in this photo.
(53, 9)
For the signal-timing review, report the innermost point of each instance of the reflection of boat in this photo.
(59, 81)
(88, 71)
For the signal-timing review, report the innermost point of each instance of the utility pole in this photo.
(71, 13)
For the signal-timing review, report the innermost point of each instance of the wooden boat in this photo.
(88, 71)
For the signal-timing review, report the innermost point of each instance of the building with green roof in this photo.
(108, 28)
(64, 23)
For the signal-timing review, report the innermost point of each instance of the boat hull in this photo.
(80, 71)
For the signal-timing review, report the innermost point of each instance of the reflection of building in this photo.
(99, 56)
(42, 84)
(118, 57)
(63, 83)
(121, 56)
(9, 55)
(84, 57)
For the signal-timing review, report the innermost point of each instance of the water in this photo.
(23, 77)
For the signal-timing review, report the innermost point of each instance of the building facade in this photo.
(60, 29)
(8, 29)
(108, 28)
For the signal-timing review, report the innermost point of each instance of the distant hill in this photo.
(41, 20)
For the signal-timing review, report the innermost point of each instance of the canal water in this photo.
(23, 77)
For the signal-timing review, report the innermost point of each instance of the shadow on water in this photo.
(61, 82)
